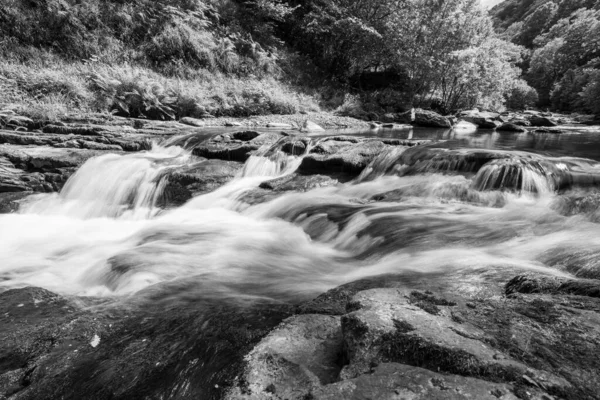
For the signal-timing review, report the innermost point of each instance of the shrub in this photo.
(181, 43)
(521, 96)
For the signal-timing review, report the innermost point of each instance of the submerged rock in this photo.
(511, 127)
(548, 130)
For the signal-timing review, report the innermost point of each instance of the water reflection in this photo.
(574, 141)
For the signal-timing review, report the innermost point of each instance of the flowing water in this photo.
(104, 235)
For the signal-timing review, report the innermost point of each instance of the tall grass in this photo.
(44, 91)
(157, 59)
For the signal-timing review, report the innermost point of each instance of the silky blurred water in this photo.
(104, 235)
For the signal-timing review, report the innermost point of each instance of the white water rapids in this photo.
(104, 236)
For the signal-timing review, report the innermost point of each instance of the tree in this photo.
(449, 49)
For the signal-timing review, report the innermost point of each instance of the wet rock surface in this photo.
(201, 177)
(237, 146)
(39, 156)
(331, 155)
(54, 347)
(394, 342)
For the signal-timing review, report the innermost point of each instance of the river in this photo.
(105, 236)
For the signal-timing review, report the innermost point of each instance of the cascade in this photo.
(516, 174)
(112, 185)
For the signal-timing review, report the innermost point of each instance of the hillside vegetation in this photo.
(563, 39)
(165, 59)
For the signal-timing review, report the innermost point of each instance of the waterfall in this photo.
(519, 175)
(382, 164)
(113, 185)
(271, 161)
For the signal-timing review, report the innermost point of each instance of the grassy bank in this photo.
(52, 88)
(159, 59)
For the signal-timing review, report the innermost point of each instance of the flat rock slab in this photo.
(392, 381)
(41, 157)
(79, 137)
(531, 283)
(236, 146)
(298, 182)
(341, 155)
(38, 168)
(419, 329)
(349, 154)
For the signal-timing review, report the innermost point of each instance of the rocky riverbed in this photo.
(352, 267)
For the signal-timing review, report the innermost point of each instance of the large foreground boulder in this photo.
(54, 347)
(392, 342)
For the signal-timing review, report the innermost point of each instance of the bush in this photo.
(521, 96)
(181, 43)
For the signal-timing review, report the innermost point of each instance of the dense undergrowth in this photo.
(50, 90)
(166, 59)
(160, 59)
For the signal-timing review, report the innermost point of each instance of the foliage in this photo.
(444, 49)
(521, 96)
(155, 33)
(564, 38)
(590, 95)
(169, 58)
(53, 91)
